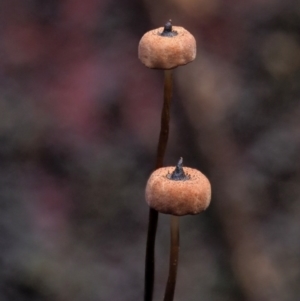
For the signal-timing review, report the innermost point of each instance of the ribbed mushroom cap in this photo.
(159, 51)
(178, 197)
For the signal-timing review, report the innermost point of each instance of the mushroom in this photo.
(167, 47)
(177, 191)
(163, 48)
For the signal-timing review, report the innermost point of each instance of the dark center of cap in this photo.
(178, 174)
(168, 32)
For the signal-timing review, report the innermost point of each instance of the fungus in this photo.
(167, 47)
(163, 48)
(178, 191)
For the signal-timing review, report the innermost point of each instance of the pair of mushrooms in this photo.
(177, 192)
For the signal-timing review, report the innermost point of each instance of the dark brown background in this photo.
(79, 122)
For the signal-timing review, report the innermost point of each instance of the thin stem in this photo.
(150, 255)
(153, 214)
(174, 251)
(165, 120)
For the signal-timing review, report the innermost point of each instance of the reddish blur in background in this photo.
(78, 132)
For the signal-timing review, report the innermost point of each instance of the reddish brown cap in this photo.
(189, 195)
(167, 47)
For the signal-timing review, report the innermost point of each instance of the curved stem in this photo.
(165, 119)
(153, 214)
(174, 252)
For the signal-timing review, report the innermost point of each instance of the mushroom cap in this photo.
(182, 197)
(167, 52)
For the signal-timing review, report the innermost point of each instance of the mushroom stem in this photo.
(165, 119)
(153, 214)
(174, 251)
(150, 255)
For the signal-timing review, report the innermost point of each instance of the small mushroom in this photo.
(178, 191)
(167, 47)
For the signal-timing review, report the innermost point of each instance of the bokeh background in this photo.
(79, 123)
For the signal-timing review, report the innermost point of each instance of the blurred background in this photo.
(79, 125)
